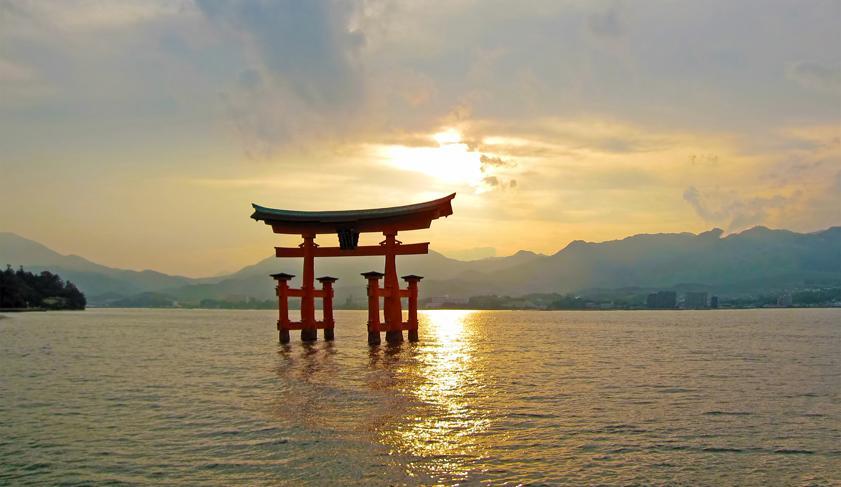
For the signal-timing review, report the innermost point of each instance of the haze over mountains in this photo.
(753, 261)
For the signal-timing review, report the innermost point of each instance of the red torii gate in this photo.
(348, 225)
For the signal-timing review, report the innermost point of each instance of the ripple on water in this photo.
(207, 397)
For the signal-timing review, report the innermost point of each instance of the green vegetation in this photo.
(634, 298)
(592, 299)
(816, 297)
(25, 290)
(145, 300)
(162, 300)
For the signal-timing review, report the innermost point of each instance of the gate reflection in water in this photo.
(425, 410)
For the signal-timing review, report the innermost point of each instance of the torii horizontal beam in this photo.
(362, 250)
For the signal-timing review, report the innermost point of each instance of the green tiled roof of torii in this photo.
(436, 209)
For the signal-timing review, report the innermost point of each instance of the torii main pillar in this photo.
(348, 225)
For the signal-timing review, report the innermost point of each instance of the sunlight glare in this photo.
(449, 136)
(452, 161)
(448, 324)
(447, 381)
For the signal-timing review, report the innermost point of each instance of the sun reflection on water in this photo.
(443, 384)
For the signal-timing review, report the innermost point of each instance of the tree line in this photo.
(22, 289)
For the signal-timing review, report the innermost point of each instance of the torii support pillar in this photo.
(412, 322)
(373, 278)
(309, 332)
(391, 300)
(327, 306)
(283, 305)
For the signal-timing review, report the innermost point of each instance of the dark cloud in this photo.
(493, 162)
(306, 80)
(606, 24)
(704, 160)
(250, 79)
(307, 45)
(497, 183)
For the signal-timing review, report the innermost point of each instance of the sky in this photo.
(138, 133)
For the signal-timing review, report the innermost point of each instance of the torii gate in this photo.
(348, 225)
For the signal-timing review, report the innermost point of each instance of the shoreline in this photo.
(477, 309)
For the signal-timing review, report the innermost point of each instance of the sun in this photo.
(449, 136)
(451, 161)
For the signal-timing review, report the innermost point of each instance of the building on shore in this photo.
(445, 301)
(696, 300)
(713, 302)
(662, 300)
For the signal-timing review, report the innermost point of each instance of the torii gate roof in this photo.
(408, 217)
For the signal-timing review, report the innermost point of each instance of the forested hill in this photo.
(24, 290)
(755, 261)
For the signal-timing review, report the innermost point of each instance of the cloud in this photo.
(754, 211)
(14, 73)
(250, 79)
(739, 212)
(307, 45)
(558, 136)
(80, 15)
(816, 76)
(296, 73)
(692, 196)
(338, 70)
(606, 24)
(491, 162)
(585, 116)
(490, 183)
(308, 74)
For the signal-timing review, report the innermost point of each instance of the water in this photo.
(568, 398)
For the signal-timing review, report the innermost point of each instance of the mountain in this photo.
(756, 260)
(753, 261)
(93, 279)
(253, 281)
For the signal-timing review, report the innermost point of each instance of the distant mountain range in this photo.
(753, 261)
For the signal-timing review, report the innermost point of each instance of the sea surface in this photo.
(208, 397)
